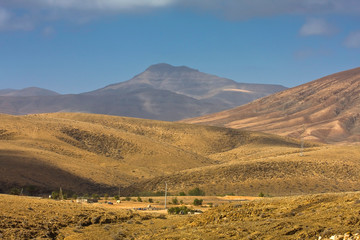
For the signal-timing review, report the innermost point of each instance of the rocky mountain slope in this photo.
(162, 92)
(325, 110)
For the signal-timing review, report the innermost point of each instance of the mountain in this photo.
(28, 92)
(220, 92)
(162, 92)
(325, 110)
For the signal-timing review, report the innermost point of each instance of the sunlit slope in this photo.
(271, 170)
(324, 110)
(87, 151)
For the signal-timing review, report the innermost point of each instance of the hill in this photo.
(325, 110)
(88, 153)
(162, 92)
(328, 216)
(28, 92)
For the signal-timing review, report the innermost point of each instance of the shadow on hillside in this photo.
(19, 170)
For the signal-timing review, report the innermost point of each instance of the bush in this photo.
(139, 199)
(116, 197)
(175, 201)
(31, 190)
(55, 195)
(106, 196)
(182, 194)
(151, 200)
(127, 199)
(95, 196)
(180, 210)
(197, 202)
(15, 191)
(261, 194)
(196, 192)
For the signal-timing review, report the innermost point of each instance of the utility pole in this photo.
(61, 196)
(165, 193)
(302, 141)
(119, 193)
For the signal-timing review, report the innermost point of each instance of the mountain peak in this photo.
(164, 67)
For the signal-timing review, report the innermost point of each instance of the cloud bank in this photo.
(40, 10)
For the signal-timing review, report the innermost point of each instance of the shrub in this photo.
(127, 199)
(197, 202)
(180, 210)
(15, 191)
(116, 197)
(151, 200)
(55, 195)
(175, 201)
(106, 196)
(95, 196)
(261, 194)
(182, 194)
(139, 199)
(196, 192)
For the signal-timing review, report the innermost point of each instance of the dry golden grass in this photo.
(89, 153)
(300, 217)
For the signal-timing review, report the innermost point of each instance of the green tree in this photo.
(15, 191)
(95, 196)
(106, 196)
(197, 202)
(196, 192)
(175, 201)
(55, 195)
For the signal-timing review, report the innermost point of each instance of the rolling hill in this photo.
(325, 110)
(88, 153)
(162, 92)
(27, 92)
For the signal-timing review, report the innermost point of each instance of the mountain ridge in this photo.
(325, 110)
(162, 92)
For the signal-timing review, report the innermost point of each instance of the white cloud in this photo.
(353, 40)
(314, 26)
(10, 22)
(245, 9)
(86, 5)
(50, 10)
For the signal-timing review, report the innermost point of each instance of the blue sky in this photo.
(73, 46)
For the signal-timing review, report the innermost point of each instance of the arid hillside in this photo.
(300, 217)
(325, 110)
(88, 153)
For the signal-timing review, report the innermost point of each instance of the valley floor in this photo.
(297, 217)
